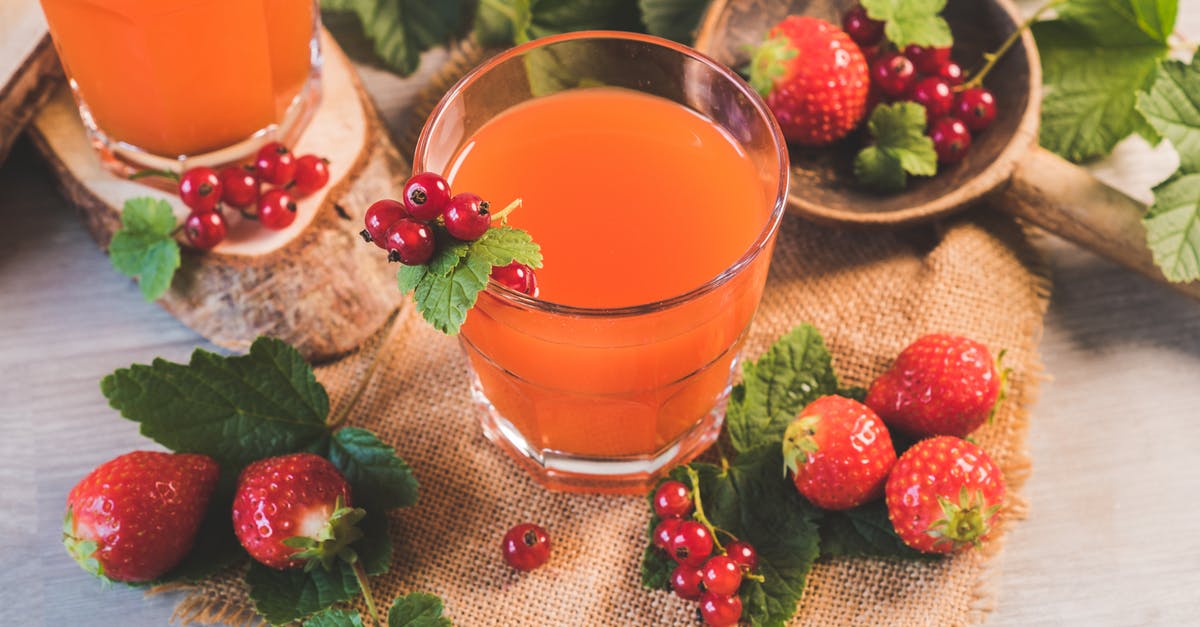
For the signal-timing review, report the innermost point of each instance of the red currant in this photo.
(722, 575)
(467, 217)
(935, 95)
(951, 139)
(976, 107)
(380, 217)
(893, 73)
(204, 229)
(663, 532)
(276, 209)
(685, 581)
(927, 60)
(200, 189)
(517, 276)
(720, 611)
(312, 173)
(426, 195)
(951, 72)
(744, 554)
(865, 31)
(409, 241)
(526, 546)
(691, 543)
(672, 499)
(239, 186)
(275, 164)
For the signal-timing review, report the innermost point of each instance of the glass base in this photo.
(634, 474)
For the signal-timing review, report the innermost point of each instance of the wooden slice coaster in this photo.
(315, 284)
(29, 69)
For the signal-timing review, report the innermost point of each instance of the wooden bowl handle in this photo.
(1068, 201)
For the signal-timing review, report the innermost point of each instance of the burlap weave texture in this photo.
(870, 293)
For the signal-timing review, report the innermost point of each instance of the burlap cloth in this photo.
(870, 293)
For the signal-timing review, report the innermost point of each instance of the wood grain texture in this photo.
(29, 68)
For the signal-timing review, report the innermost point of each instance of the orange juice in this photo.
(184, 77)
(634, 200)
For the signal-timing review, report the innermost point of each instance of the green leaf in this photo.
(503, 245)
(402, 29)
(795, 371)
(656, 566)
(864, 531)
(912, 21)
(417, 609)
(1172, 107)
(901, 148)
(855, 392)
(374, 548)
(234, 409)
(445, 300)
(143, 247)
(673, 19)
(1173, 227)
(530, 19)
(1090, 84)
(284, 596)
(335, 618)
(408, 277)
(380, 480)
(1123, 22)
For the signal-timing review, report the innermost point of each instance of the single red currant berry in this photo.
(893, 73)
(409, 241)
(275, 164)
(204, 229)
(951, 139)
(426, 195)
(685, 581)
(951, 72)
(744, 554)
(935, 95)
(865, 31)
(380, 217)
(720, 611)
(976, 107)
(517, 276)
(927, 60)
(312, 173)
(467, 217)
(200, 189)
(672, 499)
(691, 544)
(276, 209)
(722, 575)
(239, 186)
(663, 532)
(526, 546)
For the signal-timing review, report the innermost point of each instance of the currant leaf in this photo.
(901, 148)
(285, 596)
(417, 609)
(1173, 227)
(402, 29)
(864, 531)
(917, 22)
(1172, 107)
(143, 247)
(380, 480)
(673, 19)
(335, 618)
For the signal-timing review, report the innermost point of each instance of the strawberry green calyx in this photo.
(1005, 373)
(965, 522)
(80, 550)
(333, 540)
(770, 63)
(799, 442)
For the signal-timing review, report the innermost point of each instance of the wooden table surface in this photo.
(1111, 534)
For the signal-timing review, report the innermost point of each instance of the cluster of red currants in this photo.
(713, 580)
(926, 76)
(203, 190)
(405, 231)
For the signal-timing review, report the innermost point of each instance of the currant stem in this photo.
(361, 576)
(503, 213)
(994, 57)
(694, 477)
(167, 174)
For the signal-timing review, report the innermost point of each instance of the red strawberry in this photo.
(134, 518)
(814, 78)
(944, 495)
(940, 385)
(293, 510)
(839, 453)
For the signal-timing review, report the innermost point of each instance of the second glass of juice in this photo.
(654, 180)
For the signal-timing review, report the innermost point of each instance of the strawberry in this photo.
(135, 517)
(944, 495)
(839, 453)
(940, 385)
(813, 77)
(294, 510)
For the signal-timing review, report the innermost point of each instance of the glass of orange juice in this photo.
(654, 180)
(200, 82)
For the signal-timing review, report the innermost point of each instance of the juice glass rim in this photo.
(513, 297)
